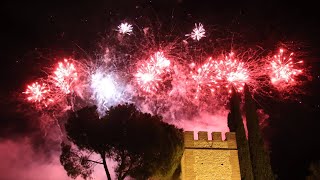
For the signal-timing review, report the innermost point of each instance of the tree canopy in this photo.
(142, 144)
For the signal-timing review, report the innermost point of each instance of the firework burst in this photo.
(150, 74)
(65, 76)
(38, 93)
(230, 72)
(198, 32)
(283, 71)
(125, 28)
(106, 90)
(220, 76)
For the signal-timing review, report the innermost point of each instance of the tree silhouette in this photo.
(74, 163)
(142, 145)
(259, 157)
(85, 129)
(235, 124)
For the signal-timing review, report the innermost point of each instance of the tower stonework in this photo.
(205, 159)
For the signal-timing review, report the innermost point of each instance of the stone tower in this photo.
(206, 159)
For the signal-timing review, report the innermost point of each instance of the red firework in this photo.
(38, 93)
(150, 74)
(230, 72)
(221, 75)
(65, 76)
(283, 71)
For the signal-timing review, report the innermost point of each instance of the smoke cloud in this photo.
(20, 160)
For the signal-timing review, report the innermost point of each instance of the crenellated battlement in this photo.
(207, 159)
(204, 142)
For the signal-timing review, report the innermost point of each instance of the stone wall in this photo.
(210, 159)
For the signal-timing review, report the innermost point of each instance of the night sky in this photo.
(32, 32)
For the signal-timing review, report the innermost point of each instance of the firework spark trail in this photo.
(198, 32)
(283, 70)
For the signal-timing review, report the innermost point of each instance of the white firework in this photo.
(106, 91)
(125, 28)
(198, 32)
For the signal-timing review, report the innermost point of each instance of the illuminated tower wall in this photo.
(210, 159)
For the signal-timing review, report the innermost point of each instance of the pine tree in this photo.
(259, 157)
(235, 124)
(142, 145)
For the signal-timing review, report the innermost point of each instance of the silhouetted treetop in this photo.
(142, 144)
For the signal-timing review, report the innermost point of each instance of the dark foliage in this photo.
(235, 124)
(143, 145)
(74, 164)
(259, 157)
(85, 129)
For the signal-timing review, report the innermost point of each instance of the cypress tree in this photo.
(259, 157)
(235, 124)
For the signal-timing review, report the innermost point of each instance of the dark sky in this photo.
(32, 30)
